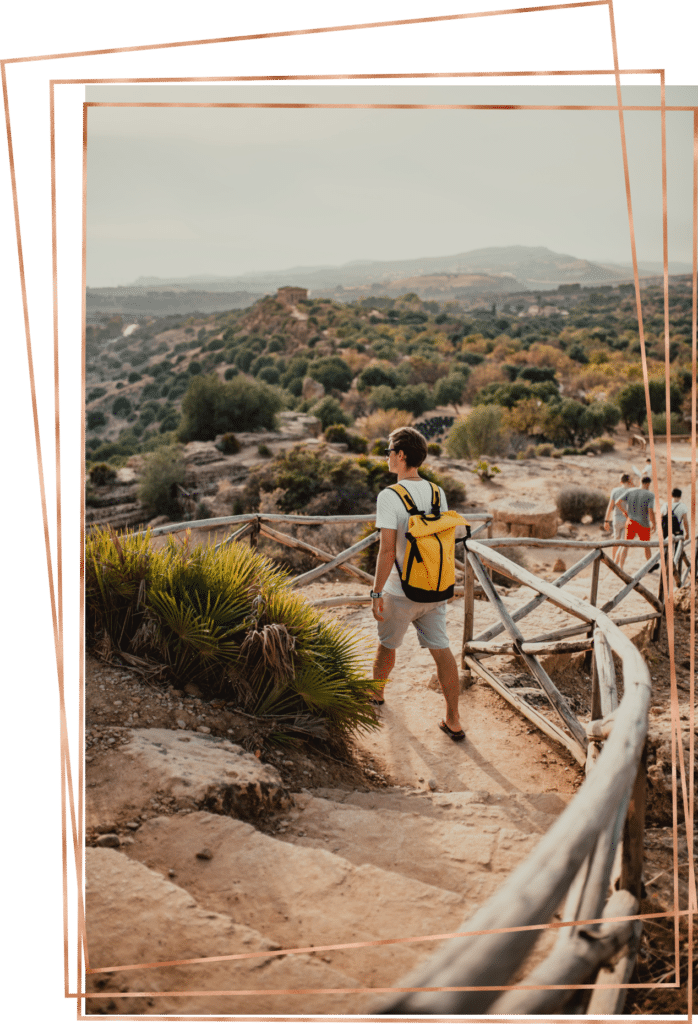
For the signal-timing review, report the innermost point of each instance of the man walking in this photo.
(617, 519)
(392, 610)
(638, 505)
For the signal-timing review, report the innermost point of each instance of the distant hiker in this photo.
(679, 517)
(392, 609)
(616, 519)
(638, 505)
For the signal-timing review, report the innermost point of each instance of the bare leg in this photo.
(383, 665)
(447, 672)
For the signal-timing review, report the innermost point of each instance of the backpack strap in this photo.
(406, 497)
(435, 499)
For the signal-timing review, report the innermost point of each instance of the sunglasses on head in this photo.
(389, 450)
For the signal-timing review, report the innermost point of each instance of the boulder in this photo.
(205, 771)
(526, 517)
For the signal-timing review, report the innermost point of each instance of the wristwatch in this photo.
(375, 594)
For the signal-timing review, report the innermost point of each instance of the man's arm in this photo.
(607, 515)
(384, 565)
(653, 519)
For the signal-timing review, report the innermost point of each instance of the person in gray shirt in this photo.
(619, 519)
(638, 506)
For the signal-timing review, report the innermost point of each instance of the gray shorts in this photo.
(619, 528)
(428, 619)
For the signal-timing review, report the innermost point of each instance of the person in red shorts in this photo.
(638, 506)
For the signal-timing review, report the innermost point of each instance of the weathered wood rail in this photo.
(590, 862)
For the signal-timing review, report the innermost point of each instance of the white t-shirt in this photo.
(679, 510)
(391, 514)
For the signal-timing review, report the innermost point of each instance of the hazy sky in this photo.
(195, 191)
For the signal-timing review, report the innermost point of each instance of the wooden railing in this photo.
(590, 862)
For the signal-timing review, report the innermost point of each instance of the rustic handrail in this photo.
(535, 889)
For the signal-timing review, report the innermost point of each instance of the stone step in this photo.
(136, 916)
(301, 896)
(466, 843)
(190, 770)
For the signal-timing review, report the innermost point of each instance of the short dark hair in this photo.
(625, 478)
(676, 493)
(646, 480)
(412, 443)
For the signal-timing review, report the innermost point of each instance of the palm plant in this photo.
(228, 621)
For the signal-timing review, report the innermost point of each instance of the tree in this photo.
(449, 390)
(631, 403)
(375, 376)
(483, 432)
(329, 411)
(95, 419)
(212, 406)
(537, 374)
(158, 490)
(121, 407)
(332, 372)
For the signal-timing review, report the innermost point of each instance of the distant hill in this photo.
(466, 276)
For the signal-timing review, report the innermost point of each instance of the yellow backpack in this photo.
(429, 570)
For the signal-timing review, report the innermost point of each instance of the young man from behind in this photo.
(638, 505)
(392, 610)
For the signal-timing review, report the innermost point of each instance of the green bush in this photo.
(158, 489)
(102, 474)
(194, 367)
(96, 393)
(575, 502)
(329, 411)
(375, 376)
(332, 486)
(95, 419)
(434, 448)
(264, 450)
(231, 371)
(544, 450)
(480, 433)
(121, 407)
(332, 372)
(228, 621)
(414, 398)
(212, 406)
(678, 424)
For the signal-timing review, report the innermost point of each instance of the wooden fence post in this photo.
(254, 534)
(469, 609)
(589, 660)
(657, 630)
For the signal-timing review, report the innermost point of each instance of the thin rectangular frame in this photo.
(55, 593)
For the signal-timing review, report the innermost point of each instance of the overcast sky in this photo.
(174, 192)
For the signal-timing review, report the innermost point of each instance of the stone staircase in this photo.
(341, 867)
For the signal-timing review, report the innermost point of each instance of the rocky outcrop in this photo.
(526, 517)
(189, 770)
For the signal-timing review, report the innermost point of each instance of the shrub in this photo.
(678, 424)
(96, 393)
(575, 502)
(101, 474)
(227, 621)
(95, 419)
(332, 372)
(380, 424)
(449, 390)
(264, 450)
(158, 490)
(269, 374)
(229, 444)
(329, 411)
(202, 510)
(121, 407)
(544, 450)
(212, 406)
(413, 398)
(375, 376)
(434, 448)
(480, 433)
(537, 374)
(194, 367)
(231, 372)
(605, 444)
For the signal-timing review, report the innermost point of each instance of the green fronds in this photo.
(227, 621)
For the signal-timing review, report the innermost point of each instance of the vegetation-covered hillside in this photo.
(562, 366)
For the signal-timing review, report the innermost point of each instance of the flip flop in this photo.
(457, 737)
